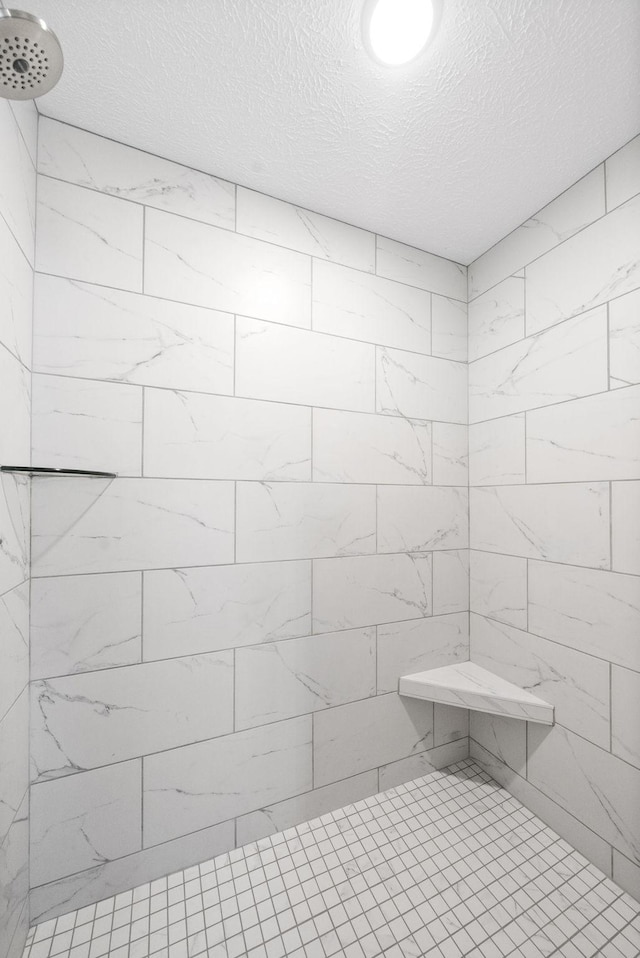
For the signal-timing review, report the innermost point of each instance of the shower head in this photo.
(30, 56)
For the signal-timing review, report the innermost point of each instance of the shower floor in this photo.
(446, 865)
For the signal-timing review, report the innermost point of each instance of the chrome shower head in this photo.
(31, 58)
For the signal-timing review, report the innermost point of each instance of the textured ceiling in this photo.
(513, 101)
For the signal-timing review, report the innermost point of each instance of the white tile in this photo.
(625, 527)
(498, 587)
(16, 297)
(406, 769)
(280, 680)
(84, 820)
(505, 738)
(97, 333)
(450, 724)
(187, 611)
(26, 116)
(594, 611)
(95, 718)
(287, 365)
(413, 519)
(88, 236)
(360, 447)
(79, 424)
(99, 525)
(622, 172)
(625, 715)
(593, 438)
(14, 746)
(195, 436)
(624, 339)
(565, 362)
(422, 387)
(14, 651)
(626, 874)
(18, 187)
(81, 623)
(14, 522)
(406, 264)
(350, 303)
(203, 784)
(14, 875)
(196, 263)
(448, 328)
(15, 395)
(496, 318)
(562, 523)
(370, 589)
(450, 581)
(450, 454)
(85, 159)
(595, 265)
(303, 520)
(497, 453)
(407, 647)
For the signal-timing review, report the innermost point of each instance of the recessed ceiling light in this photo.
(396, 31)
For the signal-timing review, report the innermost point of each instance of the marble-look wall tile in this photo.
(408, 647)
(565, 362)
(418, 519)
(196, 263)
(25, 113)
(498, 587)
(15, 525)
(448, 328)
(626, 874)
(590, 610)
(83, 623)
(625, 527)
(18, 187)
(280, 680)
(625, 715)
(14, 881)
(362, 735)
(450, 454)
(351, 303)
(624, 340)
(194, 436)
(450, 724)
(496, 318)
(14, 761)
(420, 387)
(79, 157)
(497, 454)
(14, 649)
(97, 333)
(418, 268)
(353, 592)
(101, 525)
(188, 611)
(97, 718)
(84, 820)
(561, 523)
(303, 520)
(85, 235)
(15, 395)
(406, 769)
(360, 447)
(622, 171)
(450, 581)
(504, 738)
(209, 782)
(16, 297)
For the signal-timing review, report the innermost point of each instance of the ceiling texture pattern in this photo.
(512, 102)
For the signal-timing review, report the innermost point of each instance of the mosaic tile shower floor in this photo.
(448, 865)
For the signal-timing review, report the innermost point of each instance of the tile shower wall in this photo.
(18, 134)
(217, 634)
(554, 384)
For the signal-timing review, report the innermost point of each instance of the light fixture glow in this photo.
(396, 31)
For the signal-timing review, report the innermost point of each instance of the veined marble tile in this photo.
(14, 761)
(15, 526)
(370, 589)
(14, 881)
(406, 769)
(203, 784)
(78, 424)
(280, 680)
(98, 333)
(15, 395)
(624, 340)
(565, 362)
(195, 436)
(350, 303)
(299, 366)
(88, 236)
(102, 164)
(496, 318)
(593, 438)
(622, 171)
(561, 523)
(450, 581)
(407, 647)
(84, 820)
(497, 453)
(574, 209)
(14, 650)
(201, 264)
(417, 519)
(360, 447)
(450, 454)
(304, 520)
(275, 221)
(16, 296)
(498, 587)
(363, 735)
(450, 724)
(504, 738)
(406, 264)
(592, 267)
(625, 527)
(187, 611)
(625, 714)
(18, 186)
(448, 328)
(590, 610)
(575, 683)
(97, 718)
(120, 525)
(26, 116)
(421, 387)
(87, 622)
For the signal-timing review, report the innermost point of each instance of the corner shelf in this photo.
(469, 686)
(49, 471)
